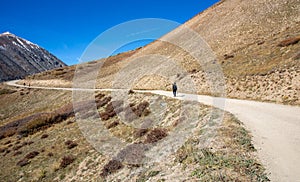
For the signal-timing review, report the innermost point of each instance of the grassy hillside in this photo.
(256, 46)
(40, 140)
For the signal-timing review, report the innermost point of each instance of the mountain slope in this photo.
(255, 44)
(19, 58)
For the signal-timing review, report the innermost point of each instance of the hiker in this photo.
(174, 87)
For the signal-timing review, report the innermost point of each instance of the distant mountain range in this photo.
(20, 57)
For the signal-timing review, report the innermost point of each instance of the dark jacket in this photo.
(174, 87)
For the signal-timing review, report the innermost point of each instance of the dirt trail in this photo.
(275, 129)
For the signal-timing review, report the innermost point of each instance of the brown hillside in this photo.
(256, 44)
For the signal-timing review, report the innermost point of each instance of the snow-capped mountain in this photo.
(20, 57)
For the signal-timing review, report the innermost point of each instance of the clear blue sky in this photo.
(66, 28)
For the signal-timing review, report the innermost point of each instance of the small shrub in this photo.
(104, 116)
(70, 144)
(113, 124)
(100, 96)
(30, 142)
(7, 151)
(23, 162)
(103, 102)
(228, 56)
(111, 167)
(289, 41)
(17, 153)
(141, 108)
(17, 147)
(32, 155)
(7, 142)
(111, 110)
(155, 135)
(66, 160)
(44, 136)
(50, 154)
(2, 150)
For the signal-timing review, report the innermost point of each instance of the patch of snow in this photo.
(21, 43)
(6, 33)
(30, 43)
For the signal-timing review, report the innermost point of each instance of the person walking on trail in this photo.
(174, 88)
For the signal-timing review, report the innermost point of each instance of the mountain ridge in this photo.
(20, 57)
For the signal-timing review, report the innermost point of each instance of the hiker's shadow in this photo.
(180, 95)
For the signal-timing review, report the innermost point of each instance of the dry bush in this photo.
(155, 135)
(228, 56)
(289, 41)
(50, 154)
(139, 111)
(67, 160)
(44, 136)
(132, 112)
(99, 96)
(111, 110)
(23, 162)
(113, 124)
(111, 167)
(17, 153)
(70, 144)
(102, 102)
(32, 155)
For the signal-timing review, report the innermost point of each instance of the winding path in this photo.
(275, 129)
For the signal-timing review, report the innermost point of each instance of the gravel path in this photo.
(275, 129)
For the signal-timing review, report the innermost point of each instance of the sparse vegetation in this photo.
(155, 135)
(289, 41)
(70, 144)
(111, 167)
(67, 160)
(31, 155)
(6, 91)
(23, 162)
(44, 136)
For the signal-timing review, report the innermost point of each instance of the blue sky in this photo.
(66, 28)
